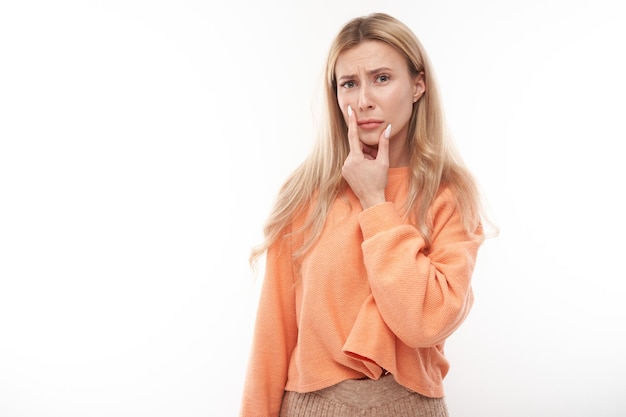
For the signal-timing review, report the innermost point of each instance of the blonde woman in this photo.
(370, 246)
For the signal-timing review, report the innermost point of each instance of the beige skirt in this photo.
(362, 397)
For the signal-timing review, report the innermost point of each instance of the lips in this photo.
(369, 124)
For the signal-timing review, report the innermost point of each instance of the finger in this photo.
(383, 145)
(353, 135)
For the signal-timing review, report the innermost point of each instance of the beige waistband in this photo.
(362, 397)
(366, 393)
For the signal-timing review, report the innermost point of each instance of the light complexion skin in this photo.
(376, 93)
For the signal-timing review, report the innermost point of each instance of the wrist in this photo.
(372, 201)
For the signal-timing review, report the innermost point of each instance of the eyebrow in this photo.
(370, 72)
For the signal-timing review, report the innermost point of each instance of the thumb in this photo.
(383, 144)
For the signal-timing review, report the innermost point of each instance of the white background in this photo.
(142, 144)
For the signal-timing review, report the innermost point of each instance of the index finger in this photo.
(353, 136)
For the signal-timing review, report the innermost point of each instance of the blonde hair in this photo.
(433, 159)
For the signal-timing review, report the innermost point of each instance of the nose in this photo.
(365, 99)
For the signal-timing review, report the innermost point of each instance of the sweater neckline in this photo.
(398, 172)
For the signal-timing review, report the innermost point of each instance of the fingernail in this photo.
(388, 131)
(349, 111)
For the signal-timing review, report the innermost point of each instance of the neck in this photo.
(398, 154)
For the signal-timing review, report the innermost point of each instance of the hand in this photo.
(366, 168)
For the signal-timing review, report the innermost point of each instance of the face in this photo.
(374, 79)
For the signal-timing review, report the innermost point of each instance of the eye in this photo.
(382, 78)
(348, 84)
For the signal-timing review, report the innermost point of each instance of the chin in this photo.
(371, 139)
(372, 143)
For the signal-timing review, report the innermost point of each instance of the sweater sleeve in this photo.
(422, 297)
(274, 337)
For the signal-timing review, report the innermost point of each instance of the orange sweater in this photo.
(368, 297)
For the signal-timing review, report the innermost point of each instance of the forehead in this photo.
(369, 55)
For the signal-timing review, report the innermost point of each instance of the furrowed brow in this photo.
(379, 70)
(346, 78)
(369, 72)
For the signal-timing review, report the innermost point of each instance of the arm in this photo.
(422, 297)
(274, 336)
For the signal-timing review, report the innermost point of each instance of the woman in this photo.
(370, 246)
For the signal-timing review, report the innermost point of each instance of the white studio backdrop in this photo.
(142, 144)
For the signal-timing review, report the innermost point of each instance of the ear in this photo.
(419, 86)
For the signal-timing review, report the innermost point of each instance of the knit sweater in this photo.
(367, 298)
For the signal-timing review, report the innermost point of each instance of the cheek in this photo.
(343, 103)
(402, 105)
(343, 107)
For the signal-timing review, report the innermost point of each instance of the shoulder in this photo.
(445, 200)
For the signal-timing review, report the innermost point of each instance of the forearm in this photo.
(423, 297)
(274, 339)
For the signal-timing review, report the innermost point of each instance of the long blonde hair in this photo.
(434, 161)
